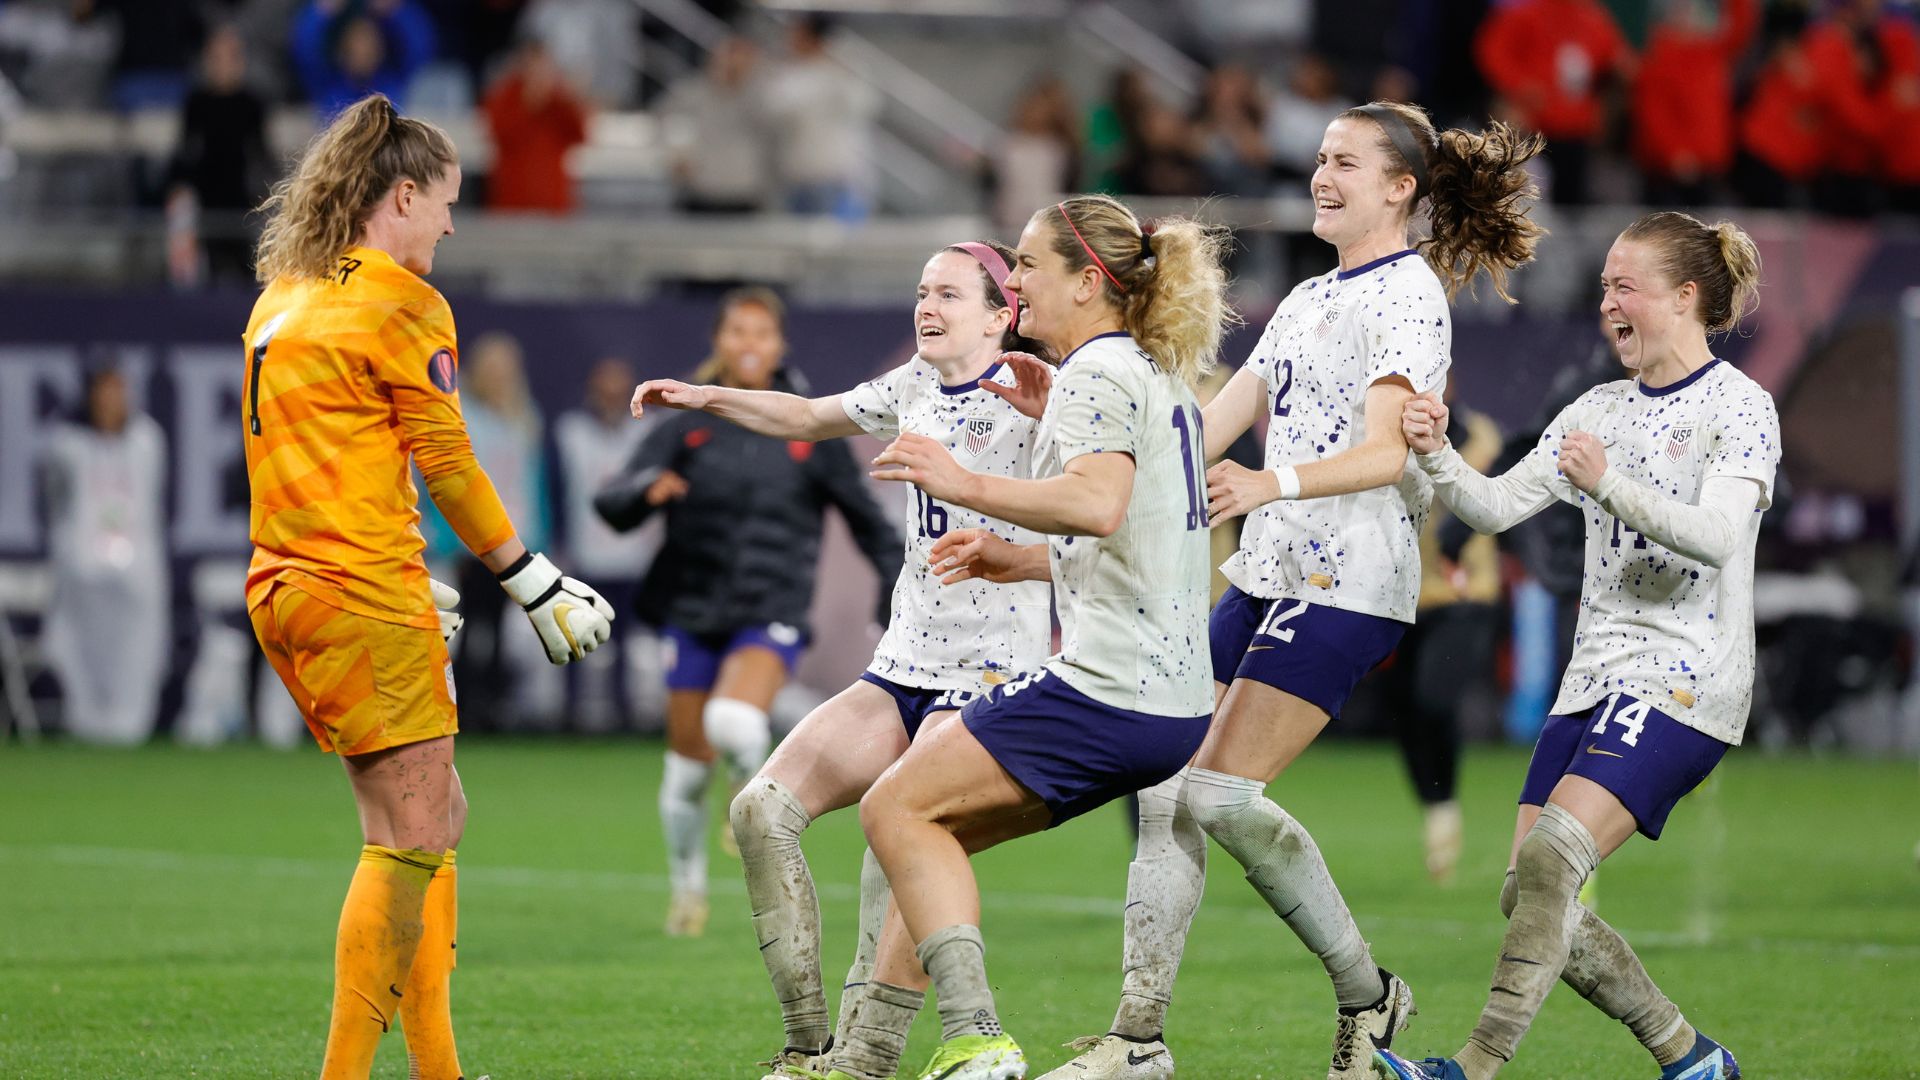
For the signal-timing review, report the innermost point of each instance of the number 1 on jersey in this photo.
(1186, 420)
(259, 358)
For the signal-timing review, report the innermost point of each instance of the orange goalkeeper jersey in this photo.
(347, 377)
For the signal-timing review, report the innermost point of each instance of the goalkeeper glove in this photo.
(446, 599)
(571, 619)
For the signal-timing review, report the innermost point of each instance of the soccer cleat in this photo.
(1388, 1065)
(799, 1063)
(1362, 1031)
(792, 1064)
(977, 1057)
(1115, 1057)
(687, 915)
(1708, 1060)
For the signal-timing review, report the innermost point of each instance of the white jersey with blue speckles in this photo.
(1133, 606)
(1332, 339)
(964, 636)
(1656, 625)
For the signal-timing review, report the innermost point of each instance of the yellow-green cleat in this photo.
(977, 1057)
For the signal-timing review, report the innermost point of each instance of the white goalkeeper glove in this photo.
(571, 619)
(445, 600)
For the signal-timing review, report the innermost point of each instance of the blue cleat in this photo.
(1388, 1065)
(1708, 1060)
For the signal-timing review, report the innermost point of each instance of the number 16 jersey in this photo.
(972, 634)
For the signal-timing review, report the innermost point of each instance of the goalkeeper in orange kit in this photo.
(351, 371)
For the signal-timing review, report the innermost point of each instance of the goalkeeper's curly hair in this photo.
(1479, 194)
(316, 213)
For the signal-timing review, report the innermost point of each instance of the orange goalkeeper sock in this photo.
(426, 1013)
(373, 952)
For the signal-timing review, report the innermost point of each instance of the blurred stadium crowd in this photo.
(708, 111)
(1692, 102)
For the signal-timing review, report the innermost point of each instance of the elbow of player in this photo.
(1102, 521)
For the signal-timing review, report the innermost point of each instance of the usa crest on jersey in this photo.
(1679, 441)
(979, 434)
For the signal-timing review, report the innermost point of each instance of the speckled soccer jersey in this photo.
(969, 635)
(1133, 606)
(1653, 624)
(1332, 339)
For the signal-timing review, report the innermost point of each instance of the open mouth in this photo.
(1621, 334)
(928, 333)
(1323, 204)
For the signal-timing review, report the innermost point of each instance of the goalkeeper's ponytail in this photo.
(316, 213)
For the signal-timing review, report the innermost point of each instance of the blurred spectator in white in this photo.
(593, 443)
(1165, 160)
(1229, 125)
(596, 41)
(347, 49)
(535, 116)
(1039, 159)
(500, 684)
(107, 628)
(824, 118)
(718, 126)
(220, 168)
(1298, 115)
(59, 53)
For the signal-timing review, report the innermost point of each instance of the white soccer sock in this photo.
(740, 732)
(954, 957)
(683, 815)
(767, 822)
(1284, 865)
(1164, 884)
(1554, 860)
(874, 894)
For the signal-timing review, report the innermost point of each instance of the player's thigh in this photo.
(839, 749)
(686, 729)
(947, 777)
(1600, 810)
(406, 794)
(753, 674)
(1258, 731)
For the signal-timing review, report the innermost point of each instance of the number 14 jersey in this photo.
(964, 636)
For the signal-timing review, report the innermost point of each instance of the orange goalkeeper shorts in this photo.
(362, 684)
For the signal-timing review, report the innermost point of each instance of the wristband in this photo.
(1289, 481)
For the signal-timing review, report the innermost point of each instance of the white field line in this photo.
(528, 877)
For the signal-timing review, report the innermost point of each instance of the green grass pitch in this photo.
(167, 913)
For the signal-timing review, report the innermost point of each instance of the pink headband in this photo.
(995, 266)
(1084, 246)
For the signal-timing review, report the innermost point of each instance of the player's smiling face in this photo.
(1353, 194)
(428, 218)
(1042, 285)
(1643, 314)
(951, 320)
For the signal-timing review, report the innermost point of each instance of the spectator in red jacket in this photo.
(536, 116)
(1854, 55)
(1683, 101)
(1550, 60)
(1898, 101)
(1782, 144)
